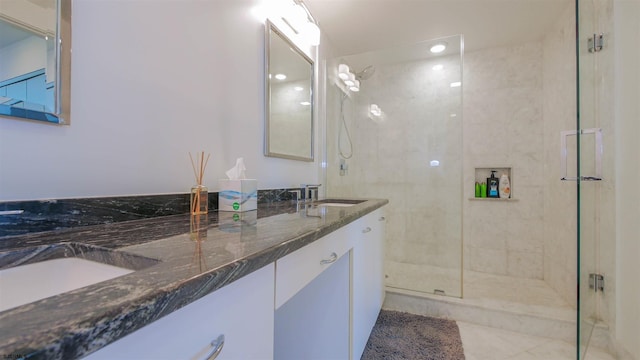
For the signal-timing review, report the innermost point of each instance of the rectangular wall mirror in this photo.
(35, 58)
(289, 76)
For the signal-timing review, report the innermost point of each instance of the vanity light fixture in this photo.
(438, 48)
(351, 81)
(299, 19)
(356, 86)
(294, 14)
(343, 71)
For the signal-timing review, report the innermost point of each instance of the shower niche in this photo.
(481, 176)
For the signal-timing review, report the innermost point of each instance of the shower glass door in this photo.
(400, 138)
(595, 66)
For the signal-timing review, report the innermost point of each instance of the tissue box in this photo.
(238, 195)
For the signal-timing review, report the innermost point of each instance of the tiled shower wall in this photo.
(559, 99)
(516, 100)
(503, 127)
(391, 159)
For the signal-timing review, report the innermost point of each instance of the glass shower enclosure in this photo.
(400, 137)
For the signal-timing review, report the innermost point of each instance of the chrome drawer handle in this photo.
(216, 345)
(330, 260)
(366, 230)
(382, 218)
(11, 212)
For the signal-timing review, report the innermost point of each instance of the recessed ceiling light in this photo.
(434, 163)
(438, 48)
(305, 103)
(453, 115)
(281, 76)
(456, 84)
(438, 67)
(298, 88)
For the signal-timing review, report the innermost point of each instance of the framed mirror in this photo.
(35, 58)
(289, 98)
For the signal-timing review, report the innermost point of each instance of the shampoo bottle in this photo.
(505, 187)
(492, 186)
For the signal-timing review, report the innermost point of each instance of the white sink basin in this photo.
(28, 283)
(335, 204)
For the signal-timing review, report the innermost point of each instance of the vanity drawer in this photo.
(296, 270)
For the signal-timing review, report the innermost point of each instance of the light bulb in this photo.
(311, 33)
(343, 71)
(351, 80)
(356, 86)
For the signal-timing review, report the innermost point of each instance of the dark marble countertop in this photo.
(176, 262)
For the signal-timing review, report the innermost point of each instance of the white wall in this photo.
(627, 119)
(149, 85)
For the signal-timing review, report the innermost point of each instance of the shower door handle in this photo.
(597, 132)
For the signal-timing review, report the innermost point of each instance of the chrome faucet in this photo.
(310, 191)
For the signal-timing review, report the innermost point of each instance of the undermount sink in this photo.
(335, 204)
(338, 202)
(32, 274)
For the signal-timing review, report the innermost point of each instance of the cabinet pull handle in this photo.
(330, 260)
(382, 218)
(366, 230)
(216, 346)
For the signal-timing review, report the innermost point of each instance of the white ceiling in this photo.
(356, 26)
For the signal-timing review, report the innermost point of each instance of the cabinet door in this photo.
(368, 277)
(314, 323)
(241, 311)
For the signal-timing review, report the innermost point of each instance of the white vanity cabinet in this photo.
(242, 312)
(312, 300)
(368, 277)
(318, 302)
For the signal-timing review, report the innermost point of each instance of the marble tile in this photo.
(487, 343)
(484, 343)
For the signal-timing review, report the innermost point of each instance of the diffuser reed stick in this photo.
(199, 192)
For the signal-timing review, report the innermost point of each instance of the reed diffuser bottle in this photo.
(199, 192)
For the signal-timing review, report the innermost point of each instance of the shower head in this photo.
(366, 73)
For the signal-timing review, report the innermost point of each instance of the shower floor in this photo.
(517, 304)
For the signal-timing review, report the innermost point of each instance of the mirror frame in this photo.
(62, 91)
(270, 29)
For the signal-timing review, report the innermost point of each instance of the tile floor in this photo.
(487, 343)
(530, 297)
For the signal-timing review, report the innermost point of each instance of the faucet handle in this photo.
(297, 193)
(310, 191)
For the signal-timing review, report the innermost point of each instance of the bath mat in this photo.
(399, 335)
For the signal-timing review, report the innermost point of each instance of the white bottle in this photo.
(504, 188)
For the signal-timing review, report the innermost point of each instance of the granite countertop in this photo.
(173, 265)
